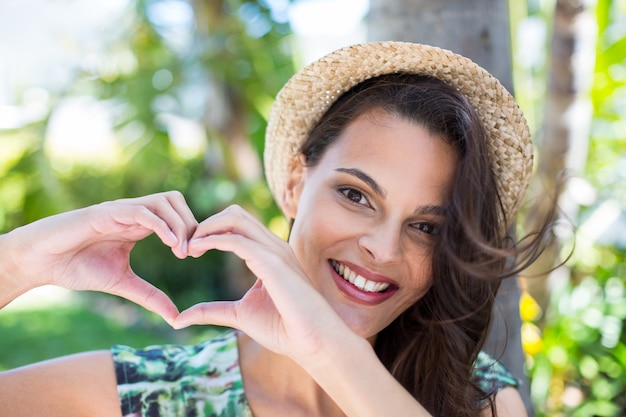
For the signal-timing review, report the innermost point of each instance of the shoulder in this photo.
(508, 402)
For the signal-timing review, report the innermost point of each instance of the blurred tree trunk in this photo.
(563, 142)
(226, 115)
(240, 73)
(479, 30)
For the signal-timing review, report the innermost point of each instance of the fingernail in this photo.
(185, 247)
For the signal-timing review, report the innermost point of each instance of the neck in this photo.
(275, 385)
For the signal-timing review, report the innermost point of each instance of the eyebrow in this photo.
(365, 178)
(428, 209)
(432, 210)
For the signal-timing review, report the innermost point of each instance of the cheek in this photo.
(421, 271)
(320, 228)
(320, 217)
(320, 234)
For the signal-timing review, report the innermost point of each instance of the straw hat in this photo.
(309, 93)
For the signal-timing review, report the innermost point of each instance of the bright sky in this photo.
(325, 25)
(43, 41)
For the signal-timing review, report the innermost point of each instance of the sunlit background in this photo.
(104, 99)
(43, 53)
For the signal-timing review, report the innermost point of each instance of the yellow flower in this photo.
(528, 307)
(531, 339)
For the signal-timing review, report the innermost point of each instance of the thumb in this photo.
(219, 313)
(148, 296)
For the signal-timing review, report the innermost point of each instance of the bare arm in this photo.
(359, 383)
(76, 385)
(353, 368)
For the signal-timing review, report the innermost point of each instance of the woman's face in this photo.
(367, 216)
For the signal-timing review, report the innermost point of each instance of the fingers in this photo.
(235, 230)
(189, 224)
(268, 257)
(166, 214)
(233, 220)
(147, 296)
(218, 313)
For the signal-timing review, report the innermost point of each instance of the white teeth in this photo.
(357, 280)
(370, 286)
(360, 282)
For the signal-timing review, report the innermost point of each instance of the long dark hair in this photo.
(431, 347)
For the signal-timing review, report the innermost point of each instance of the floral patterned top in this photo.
(205, 379)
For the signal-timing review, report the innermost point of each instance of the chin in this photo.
(363, 328)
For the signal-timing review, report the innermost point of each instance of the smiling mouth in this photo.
(357, 280)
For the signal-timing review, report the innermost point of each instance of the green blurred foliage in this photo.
(43, 332)
(581, 367)
(577, 355)
(217, 65)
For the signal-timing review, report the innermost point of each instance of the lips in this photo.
(363, 291)
(359, 281)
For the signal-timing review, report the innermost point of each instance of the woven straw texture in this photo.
(309, 93)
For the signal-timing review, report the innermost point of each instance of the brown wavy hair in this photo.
(431, 347)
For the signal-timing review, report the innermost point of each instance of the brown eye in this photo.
(354, 196)
(428, 228)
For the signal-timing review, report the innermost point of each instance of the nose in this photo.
(382, 243)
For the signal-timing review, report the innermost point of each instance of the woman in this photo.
(401, 167)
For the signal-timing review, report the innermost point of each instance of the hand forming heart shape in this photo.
(89, 249)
